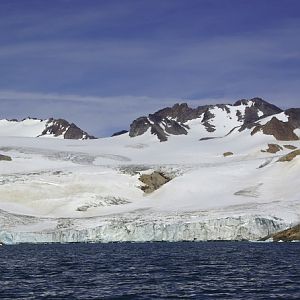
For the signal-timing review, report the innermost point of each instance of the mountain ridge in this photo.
(243, 114)
(34, 127)
(214, 120)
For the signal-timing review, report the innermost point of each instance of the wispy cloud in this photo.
(180, 68)
(90, 61)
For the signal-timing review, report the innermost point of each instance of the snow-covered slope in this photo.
(70, 191)
(31, 127)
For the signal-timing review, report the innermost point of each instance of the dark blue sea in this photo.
(207, 270)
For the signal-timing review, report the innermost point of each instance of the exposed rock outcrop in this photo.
(206, 117)
(228, 153)
(290, 147)
(290, 156)
(139, 126)
(5, 157)
(288, 235)
(273, 148)
(153, 181)
(282, 131)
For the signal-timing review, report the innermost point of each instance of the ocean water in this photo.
(207, 270)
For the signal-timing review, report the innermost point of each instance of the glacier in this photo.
(139, 228)
(60, 191)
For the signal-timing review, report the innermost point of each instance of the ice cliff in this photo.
(138, 228)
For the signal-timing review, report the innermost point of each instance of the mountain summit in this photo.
(32, 127)
(218, 120)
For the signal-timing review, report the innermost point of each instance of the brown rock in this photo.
(291, 234)
(225, 154)
(291, 147)
(272, 148)
(290, 156)
(5, 157)
(153, 181)
(282, 131)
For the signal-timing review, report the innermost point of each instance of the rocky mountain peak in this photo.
(256, 108)
(180, 112)
(255, 101)
(61, 127)
(167, 121)
(33, 127)
(175, 120)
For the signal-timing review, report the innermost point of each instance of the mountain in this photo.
(31, 127)
(211, 121)
(215, 172)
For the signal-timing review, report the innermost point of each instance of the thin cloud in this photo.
(90, 61)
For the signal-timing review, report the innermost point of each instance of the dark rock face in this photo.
(206, 117)
(173, 127)
(58, 127)
(159, 132)
(165, 122)
(75, 133)
(282, 131)
(119, 133)
(251, 113)
(139, 126)
(259, 105)
(294, 117)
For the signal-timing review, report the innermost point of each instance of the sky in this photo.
(101, 64)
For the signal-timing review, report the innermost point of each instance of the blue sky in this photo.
(101, 63)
